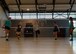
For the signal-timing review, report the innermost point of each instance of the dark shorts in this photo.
(55, 30)
(70, 30)
(37, 31)
(18, 33)
(6, 27)
(18, 30)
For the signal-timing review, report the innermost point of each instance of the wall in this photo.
(2, 19)
(46, 26)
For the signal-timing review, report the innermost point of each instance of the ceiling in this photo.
(40, 5)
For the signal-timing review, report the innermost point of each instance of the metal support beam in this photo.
(67, 15)
(21, 14)
(71, 7)
(42, 4)
(53, 8)
(38, 12)
(36, 8)
(53, 5)
(18, 4)
(70, 1)
(4, 9)
(5, 5)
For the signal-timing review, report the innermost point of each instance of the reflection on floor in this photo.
(37, 46)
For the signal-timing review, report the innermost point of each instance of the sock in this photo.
(7, 36)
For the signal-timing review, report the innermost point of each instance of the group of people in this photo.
(7, 27)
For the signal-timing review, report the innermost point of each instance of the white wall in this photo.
(2, 19)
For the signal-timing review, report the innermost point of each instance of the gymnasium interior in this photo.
(29, 14)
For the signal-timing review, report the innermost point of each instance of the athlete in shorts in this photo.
(55, 30)
(7, 27)
(18, 31)
(71, 28)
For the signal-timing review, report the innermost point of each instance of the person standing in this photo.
(55, 30)
(37, 30)
(71, 28)
(18, 31)
(7, 26)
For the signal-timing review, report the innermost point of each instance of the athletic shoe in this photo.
(6, 39)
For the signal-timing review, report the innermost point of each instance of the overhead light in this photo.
(27, 9)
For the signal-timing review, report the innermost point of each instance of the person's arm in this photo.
(73, 25)
(21, 28)
(58, 28)
(3, 26)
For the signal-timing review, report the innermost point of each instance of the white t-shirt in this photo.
(36, 27)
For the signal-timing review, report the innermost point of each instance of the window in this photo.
(45, 15)
(72, 14)
(29, 16)
(18, 16)
(42, 15)
(60, 15)
(26, 15)
(74, 23)
(48, 15)
(12, 15)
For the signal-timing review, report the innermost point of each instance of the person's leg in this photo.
(36, 34)
(55, 35)
(7, 34)
(18, 35)
(71, 35)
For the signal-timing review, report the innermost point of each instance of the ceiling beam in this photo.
(18, 4)
(70, 1)
(36, 3)
(3, 9)
(39, 12)
(5, 5)
(53, 5)
(53, 8)
(71, 6)
(42, 4)
(21, 13)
